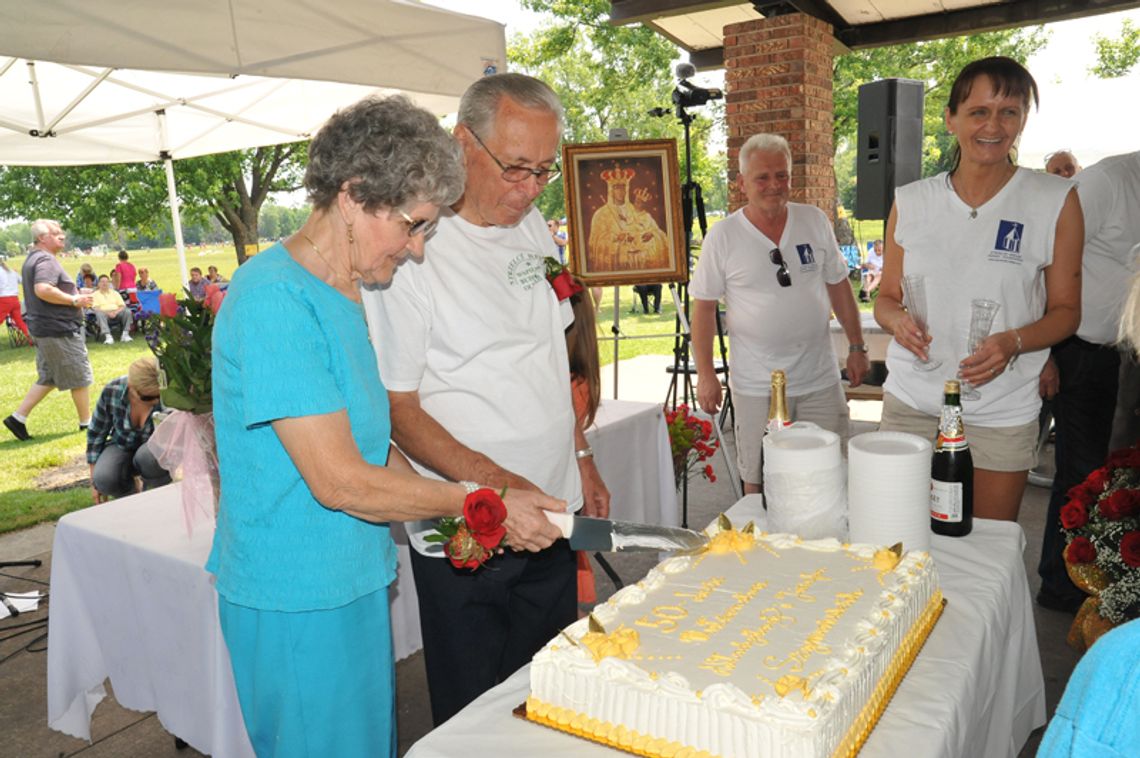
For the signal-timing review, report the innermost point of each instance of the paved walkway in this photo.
(120, 733)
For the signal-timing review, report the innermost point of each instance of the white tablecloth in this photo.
(131, 601)
(975, 690)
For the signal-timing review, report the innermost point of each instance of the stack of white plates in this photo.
(888, 489)
(804, 483)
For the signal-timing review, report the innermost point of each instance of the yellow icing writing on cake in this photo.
(814, 641)
(621, 643)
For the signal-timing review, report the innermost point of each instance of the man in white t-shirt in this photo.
(1088, 362)
(471, 347)
(778, 267)
(872, 271)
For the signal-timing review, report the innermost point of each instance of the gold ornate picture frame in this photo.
(624, 212)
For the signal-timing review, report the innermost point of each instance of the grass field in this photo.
(53, 424)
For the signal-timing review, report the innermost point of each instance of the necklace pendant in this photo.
(973, 213)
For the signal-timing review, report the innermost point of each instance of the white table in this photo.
(131, 602)
(975, 690)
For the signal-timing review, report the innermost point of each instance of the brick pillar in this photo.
(778, 79)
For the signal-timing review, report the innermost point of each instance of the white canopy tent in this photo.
(120, 81)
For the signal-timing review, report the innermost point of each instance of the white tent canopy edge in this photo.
(85, 83)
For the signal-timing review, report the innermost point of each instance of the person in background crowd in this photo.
(124, 275)
(644, 292)
(10, 297)
(559, 238)
(197, 284)
(872, 272)
(1062, 163)
(86, 279)
(145, 282)
(109, 309)
(55, 321)
(302, 554)
(1088, 361)
(213, 277)
(778, 267)
(488, 399)
(120, 426)
(986, 229)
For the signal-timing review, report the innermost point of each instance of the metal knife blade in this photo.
(607, 536)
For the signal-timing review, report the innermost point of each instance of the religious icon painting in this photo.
(624, 206)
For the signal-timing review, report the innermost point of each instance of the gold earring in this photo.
(351, 239)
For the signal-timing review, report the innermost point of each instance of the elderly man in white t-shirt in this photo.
(778, 267)
(472, 349)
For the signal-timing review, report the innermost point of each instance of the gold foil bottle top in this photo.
(952, 387)
(778, 416)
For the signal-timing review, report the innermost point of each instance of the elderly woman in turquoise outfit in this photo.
(302, 554)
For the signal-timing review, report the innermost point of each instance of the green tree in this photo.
(130, 200)
(608, 77)
(936, 63)
(1116, 57)
(87, 200)
(232, 187)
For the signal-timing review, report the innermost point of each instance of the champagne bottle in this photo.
(952, 470)
(778, 416)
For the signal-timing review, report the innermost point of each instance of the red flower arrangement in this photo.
(1101, 521)
(690, 439)
(472, 539)
(560, 279)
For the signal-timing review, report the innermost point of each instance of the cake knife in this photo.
(607, 536)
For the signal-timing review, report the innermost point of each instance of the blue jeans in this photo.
(115, 471)
(1082, 415)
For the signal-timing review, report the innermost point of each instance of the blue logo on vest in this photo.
(806, 254)
(1009, 236)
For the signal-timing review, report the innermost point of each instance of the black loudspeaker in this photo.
(889, 152)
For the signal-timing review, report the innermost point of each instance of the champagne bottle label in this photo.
(946, 501)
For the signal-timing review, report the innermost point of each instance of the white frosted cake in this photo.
(760, 645)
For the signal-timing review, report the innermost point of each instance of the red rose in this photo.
(484, 512)
(1120, 504)
(564, 285)
(1098, 480)
(1084, 493)
(1074, 514)
(1129, 457)
(1130, 549)
(1080, 550)
(464, 552)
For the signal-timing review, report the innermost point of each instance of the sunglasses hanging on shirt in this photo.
(782, 275)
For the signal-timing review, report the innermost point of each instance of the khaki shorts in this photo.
(826, 408)
(62, 362)
(993, 448)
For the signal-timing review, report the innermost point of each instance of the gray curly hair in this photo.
(480, 103)
(391, 152)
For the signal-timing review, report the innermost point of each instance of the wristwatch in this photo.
(857, 347)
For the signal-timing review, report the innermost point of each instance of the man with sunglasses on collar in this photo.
(471, 347)
(778, 268)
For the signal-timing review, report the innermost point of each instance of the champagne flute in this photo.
(914, 297)
(982, 314)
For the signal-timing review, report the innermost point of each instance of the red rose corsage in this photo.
(560, 279)
(471, 540)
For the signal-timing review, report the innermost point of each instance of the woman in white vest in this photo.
(985, 229)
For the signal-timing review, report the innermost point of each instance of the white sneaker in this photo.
(125, 338)
(108, 340)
